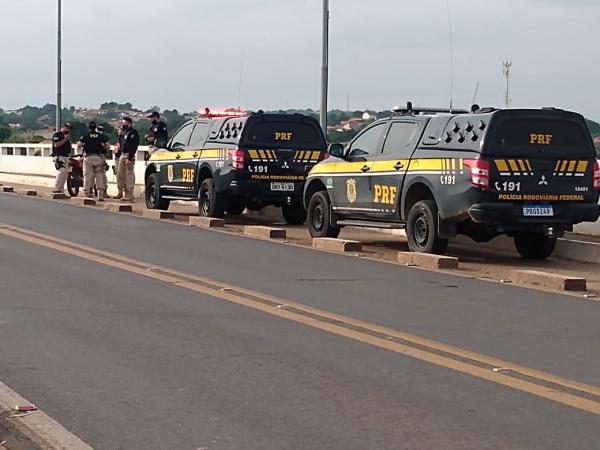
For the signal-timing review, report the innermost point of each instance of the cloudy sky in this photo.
(187, 54)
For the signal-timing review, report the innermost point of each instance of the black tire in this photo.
(319, 217)
(294, 214)
(153, 195)
(72, 186)
(235, 206)
(534, 245)
(422, 229)
(210, 202)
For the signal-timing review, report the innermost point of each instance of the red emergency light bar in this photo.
(229, 112)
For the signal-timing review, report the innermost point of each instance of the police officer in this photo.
(158, 134)
(100, 129)
(117, 154)
(125, 173)
(95, 146)
(61, 149)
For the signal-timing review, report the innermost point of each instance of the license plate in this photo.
(282, 187)
(538, 211)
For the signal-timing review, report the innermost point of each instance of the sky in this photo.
(187, 54)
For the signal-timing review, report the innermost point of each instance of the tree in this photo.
(5, 133)
(594, 127)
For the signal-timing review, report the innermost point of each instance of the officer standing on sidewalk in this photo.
(126, 174)
(158, 135)
(100, 129)
(94, 145)
(117, 155)
(61, 149)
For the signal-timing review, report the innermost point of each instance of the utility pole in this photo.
(507, 65)
(59, 70)
(325, 69)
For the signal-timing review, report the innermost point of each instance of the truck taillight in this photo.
(237, 159)
(596, 175)
(480, 172)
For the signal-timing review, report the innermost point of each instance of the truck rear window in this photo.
(283, 134)
(553, 137)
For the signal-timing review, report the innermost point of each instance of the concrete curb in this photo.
(337, 245)
(84, 201)
(264, 232)
(157, 214)
(206, 222)
(116, 207)
(27, 192)
(427, 260)
(549, 280)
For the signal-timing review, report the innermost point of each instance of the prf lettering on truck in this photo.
(540, 139)
(280, 136)
(385, 194)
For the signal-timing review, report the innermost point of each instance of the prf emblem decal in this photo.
(540, 139)
(281, 136)
(351, 190)
(170, 173)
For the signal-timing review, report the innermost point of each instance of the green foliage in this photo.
(594, 127)
(36, 139)
(5, 133)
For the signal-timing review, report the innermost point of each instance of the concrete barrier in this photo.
(337, 245)
(206, 222)
(264, 232)
(549, 280)
(157, 214)
(427, 260)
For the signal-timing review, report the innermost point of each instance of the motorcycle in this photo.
(75, 177)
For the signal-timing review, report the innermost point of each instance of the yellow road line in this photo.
(430, 351)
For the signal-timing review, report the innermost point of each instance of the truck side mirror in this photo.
(336, 150)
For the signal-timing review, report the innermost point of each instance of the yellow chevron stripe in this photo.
(582, 166)
(501, 165)
(563, 167)
(253, 154)
(522, 165)
(262, 154)
(572, 165)
(529, 165)
(513, 165)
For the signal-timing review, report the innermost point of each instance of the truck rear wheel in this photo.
(210, 202)
(534, 245)
(422, 229)
(319, 217)
(294, 214)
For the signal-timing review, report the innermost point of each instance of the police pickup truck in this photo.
(527, 173)
(231, 161)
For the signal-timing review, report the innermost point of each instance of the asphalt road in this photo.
(127, 361)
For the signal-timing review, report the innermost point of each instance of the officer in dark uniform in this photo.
(126, 174)
(61, 149)
(117, 154)
(94, 145)
(158, 135)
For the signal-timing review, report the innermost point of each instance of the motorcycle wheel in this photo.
(72, 186)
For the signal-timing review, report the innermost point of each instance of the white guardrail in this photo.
(31, 164)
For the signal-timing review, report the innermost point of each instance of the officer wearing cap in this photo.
(126, 174)
(61, 149)
(95, 146)
(158, 134)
